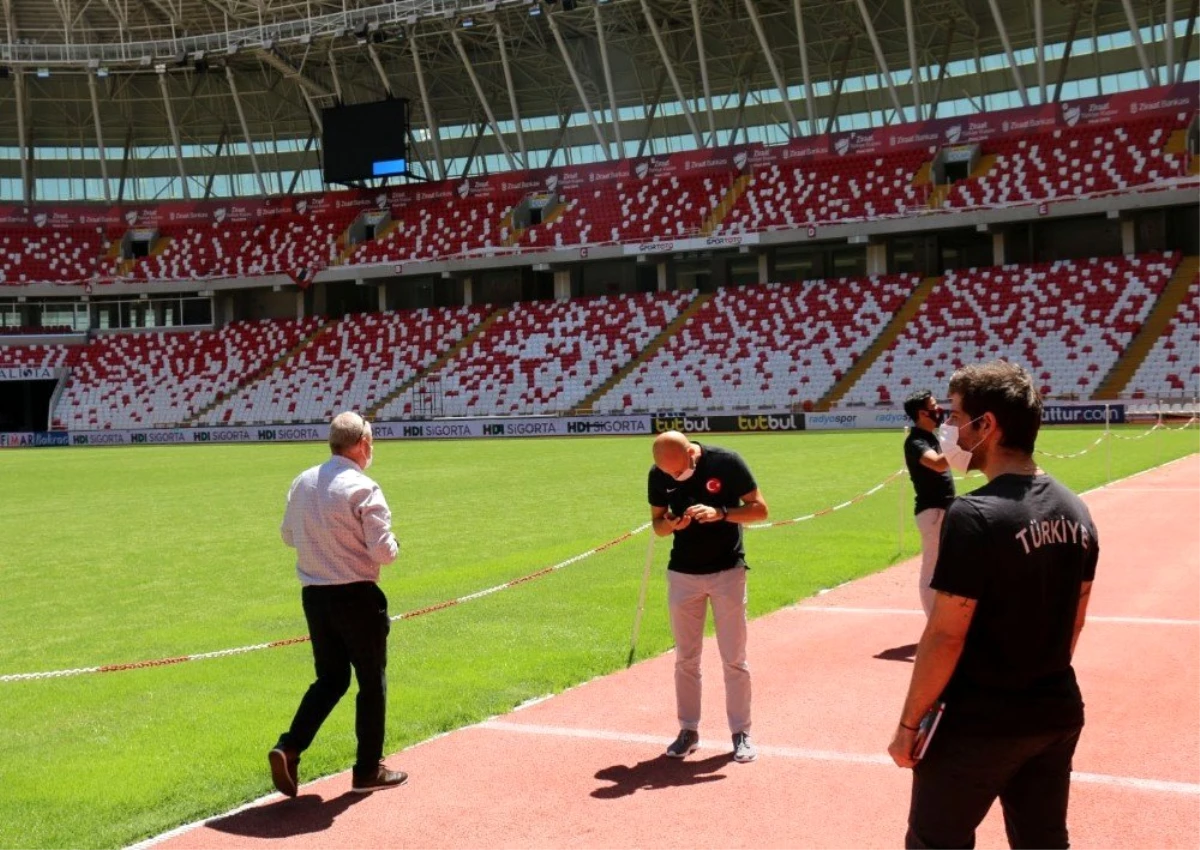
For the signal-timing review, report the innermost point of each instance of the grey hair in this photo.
(346, 430)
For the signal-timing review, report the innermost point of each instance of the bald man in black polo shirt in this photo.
(701, 495)
(1013, 578)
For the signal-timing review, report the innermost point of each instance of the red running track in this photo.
(584, 769)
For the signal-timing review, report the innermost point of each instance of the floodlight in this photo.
(43, 73)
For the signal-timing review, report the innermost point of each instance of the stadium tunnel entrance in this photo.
(25, 405)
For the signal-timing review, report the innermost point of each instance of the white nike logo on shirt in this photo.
(672, 489)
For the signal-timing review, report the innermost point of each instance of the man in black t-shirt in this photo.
(702, 494)
(1013, 578)
(929, 471)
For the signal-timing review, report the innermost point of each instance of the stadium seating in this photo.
(1172, 367)
(441, 228)
(1071, 162)
(828, 190)
(660, 208)
(772, 346)
(245, 250)
(132, 380)
(352, 365)
(50, 255)
(1067, 322)
(39, 356)
(37, 330)
(547, 356)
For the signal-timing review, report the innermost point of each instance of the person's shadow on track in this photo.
(659, 772)
(288, 817)
(908, 652)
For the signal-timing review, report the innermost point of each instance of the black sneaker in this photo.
(380, 780)
(285, 766)
(743, 747)
(686, 744)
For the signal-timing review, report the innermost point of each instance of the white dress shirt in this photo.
(339, 524)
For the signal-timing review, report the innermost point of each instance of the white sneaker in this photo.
(743, 748)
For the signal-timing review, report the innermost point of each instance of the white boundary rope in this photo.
(851, 501)
(1079, 453)
(429, 609)
(479, 594)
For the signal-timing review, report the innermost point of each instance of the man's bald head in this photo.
(673, 453)
(346, 431)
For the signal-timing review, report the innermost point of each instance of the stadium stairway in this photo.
(942, 190)
(714, 218)
(436, 366)
(588, 405)
(1126, 367)
(886, 337)
(1177, 144)
(246, 380)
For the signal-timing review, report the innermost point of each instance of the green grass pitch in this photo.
(125, 554)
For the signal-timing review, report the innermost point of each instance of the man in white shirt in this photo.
(341, 528)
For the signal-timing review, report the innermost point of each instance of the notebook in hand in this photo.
(926, 728)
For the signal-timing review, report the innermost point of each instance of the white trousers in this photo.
(929, 523)
(688, 597)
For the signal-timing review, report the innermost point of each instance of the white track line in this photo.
(803, 754)
(1120, 489)
(661, 741)
(1092, 618)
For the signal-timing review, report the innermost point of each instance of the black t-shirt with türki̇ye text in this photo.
(1021, 546)
(720, 480)
(933, 489)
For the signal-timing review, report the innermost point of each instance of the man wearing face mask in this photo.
(341, 528)
(1013, 578)
(702, 495)
(929, 471)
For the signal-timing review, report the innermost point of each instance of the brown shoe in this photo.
(285, 766)
(381, 779)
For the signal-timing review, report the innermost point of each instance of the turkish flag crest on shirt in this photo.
(713, 485)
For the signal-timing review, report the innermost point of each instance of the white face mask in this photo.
(956, 457)
(689, 472)
(966, 454)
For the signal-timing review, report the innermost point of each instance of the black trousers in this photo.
(962, 775)
(349, 627)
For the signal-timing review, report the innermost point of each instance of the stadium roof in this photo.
(212, 72)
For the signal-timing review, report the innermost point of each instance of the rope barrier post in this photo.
(1108, 435)
(641, 605)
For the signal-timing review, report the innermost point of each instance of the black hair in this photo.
(915, 403)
